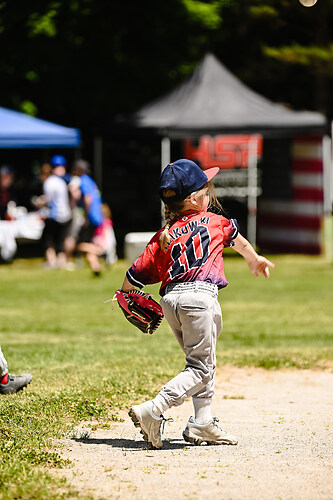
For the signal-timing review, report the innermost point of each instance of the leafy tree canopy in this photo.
(77, 61)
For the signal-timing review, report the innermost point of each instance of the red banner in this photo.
(224, 151)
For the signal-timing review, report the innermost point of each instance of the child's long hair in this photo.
(174, 210)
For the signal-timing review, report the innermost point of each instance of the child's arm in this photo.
(127, 286)
(257, 263)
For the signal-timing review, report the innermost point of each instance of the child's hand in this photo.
(257, 263)
(260, 265)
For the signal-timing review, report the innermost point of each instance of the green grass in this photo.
(88, 362)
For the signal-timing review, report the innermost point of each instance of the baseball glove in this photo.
(140, 309)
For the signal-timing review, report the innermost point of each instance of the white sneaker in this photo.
(143, 417)
(15, 383)
(209, 433)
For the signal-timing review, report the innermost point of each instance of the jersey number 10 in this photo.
(193, 254)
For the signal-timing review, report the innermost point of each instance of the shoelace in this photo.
(215, 420)
(114, 298)
(163, 422)
(111, 300)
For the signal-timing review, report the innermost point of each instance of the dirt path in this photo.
(284, 423)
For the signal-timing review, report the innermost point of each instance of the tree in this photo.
(281, 49)
(78, 60)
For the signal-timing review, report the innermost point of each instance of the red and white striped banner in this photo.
(294, 226)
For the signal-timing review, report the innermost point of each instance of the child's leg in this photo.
(3, 365)
(202, 404)
(202, 410)
(196, 321)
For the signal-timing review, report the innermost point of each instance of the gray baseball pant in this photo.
(3, 365)
(194, 315)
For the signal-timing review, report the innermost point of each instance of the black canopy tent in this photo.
(213, 100)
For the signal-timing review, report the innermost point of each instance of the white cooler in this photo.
(135, 244)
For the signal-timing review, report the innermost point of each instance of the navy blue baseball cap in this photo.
(183, 177)
(58, 160)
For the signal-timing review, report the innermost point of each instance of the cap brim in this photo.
(211, 172)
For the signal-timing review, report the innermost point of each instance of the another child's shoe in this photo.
(143, 417)
(15, 383)
(209, 433)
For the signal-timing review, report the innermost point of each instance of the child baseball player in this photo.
(186, 257)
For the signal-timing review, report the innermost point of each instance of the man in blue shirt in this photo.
(90, 199)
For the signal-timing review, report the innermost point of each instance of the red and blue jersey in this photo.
(194, 253)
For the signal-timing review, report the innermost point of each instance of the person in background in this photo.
(38, 200)
(6, 190)
(88, 196)
(60, 161)
(56, 198)
(45, 172)
(77, 218)
(104, 238)
(11, 383)
(77, 221)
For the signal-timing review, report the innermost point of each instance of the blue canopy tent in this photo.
(18, 130)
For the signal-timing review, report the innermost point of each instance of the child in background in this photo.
(104, 237)
(186, 256)
(6, 190)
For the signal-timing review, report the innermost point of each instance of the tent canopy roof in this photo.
(213, 99)
(18, 130)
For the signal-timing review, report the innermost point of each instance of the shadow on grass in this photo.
(132, 445)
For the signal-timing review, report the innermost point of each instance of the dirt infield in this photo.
(284, 423)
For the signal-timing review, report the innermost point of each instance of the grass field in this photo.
(88, 362)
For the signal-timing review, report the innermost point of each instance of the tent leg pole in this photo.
(252, 192)
(165, 159)
(165, 152)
